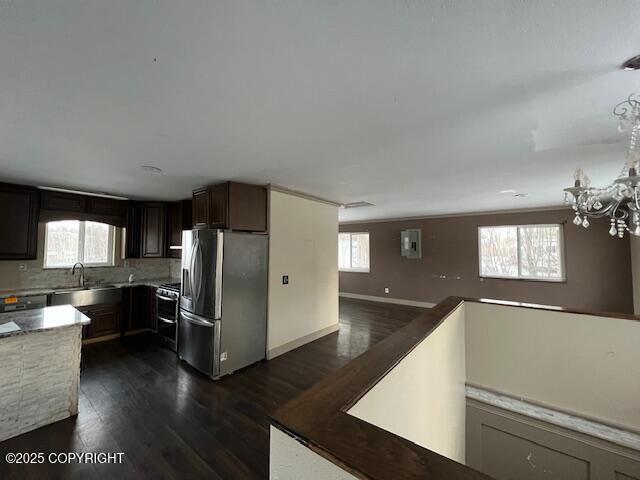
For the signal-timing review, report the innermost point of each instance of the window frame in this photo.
(520, 277)
(350, 268)
(80, 254)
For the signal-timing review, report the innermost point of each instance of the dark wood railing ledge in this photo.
(318, 417)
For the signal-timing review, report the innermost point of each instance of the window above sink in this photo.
(71, 241)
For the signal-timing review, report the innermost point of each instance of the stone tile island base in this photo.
(39, 379)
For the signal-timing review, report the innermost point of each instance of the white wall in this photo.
(303, 245)
(635, 272)
(423, 398)
(581, 364)
(289, 460)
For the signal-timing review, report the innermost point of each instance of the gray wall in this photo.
(598, 267)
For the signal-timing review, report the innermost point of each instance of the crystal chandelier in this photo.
(620, 199)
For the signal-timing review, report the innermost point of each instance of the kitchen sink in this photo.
(88, 295)
(86, 287)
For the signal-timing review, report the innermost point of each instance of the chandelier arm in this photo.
(620, 201)
(623, 107)
(607, 211)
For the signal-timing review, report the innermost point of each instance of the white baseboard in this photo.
(397, 301)
(274, 352)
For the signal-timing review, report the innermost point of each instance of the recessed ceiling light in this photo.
(507, 191)
(632, 63)
(151, 169)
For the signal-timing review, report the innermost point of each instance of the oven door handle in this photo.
(170, 299)
(166, 320)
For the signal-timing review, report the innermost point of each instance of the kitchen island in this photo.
(39, 367)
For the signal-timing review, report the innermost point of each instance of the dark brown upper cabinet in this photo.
(231, 205)
(107, 206)
(72, 206)
(64, 202)
(178, 219)
(153, 229)
(132, 234)
(19, 210)
(200, 208)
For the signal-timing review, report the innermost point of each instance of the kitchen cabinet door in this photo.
(19, 210)
(105, 320)
(247, 207)
(137, 299)
(218, 206)
(153, 229)
(174, 229)
(132, 234)
(200, 208)
(231, 205)
(152, 312)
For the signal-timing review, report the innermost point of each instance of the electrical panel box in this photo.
(411, 243)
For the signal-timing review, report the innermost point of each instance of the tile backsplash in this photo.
(27, 274)
(142, 269)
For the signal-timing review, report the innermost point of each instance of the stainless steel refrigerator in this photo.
(222, 325)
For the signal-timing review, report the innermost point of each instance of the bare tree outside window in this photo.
(71, 241)
(353, 252)
(499, 251)
(532, 252)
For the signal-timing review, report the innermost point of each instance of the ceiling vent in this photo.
(357, 205)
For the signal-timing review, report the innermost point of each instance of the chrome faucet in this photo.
(73, 272)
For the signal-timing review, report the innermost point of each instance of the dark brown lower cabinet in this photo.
(136, 312)
(105, 320)
(139, 307)
(151, 307)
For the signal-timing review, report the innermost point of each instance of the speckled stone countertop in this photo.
(48, 291)
(41, 319)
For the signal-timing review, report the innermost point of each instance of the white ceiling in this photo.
(420, 107)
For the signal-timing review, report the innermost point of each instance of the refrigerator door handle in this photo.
(195, 274)
(218, 286)
(196, 319)
(190, 271)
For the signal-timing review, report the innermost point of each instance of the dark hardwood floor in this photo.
(172, 422)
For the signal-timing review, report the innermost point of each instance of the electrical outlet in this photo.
(285, 279)
(386, 289)
(22, 267)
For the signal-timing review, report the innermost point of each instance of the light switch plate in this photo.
(223, 356)
(285, 279)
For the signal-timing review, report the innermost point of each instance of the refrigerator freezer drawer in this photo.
(198, 343)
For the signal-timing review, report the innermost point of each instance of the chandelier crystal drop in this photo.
(619, 201)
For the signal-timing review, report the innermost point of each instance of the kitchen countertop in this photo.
(41, 319)
(48, 291)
